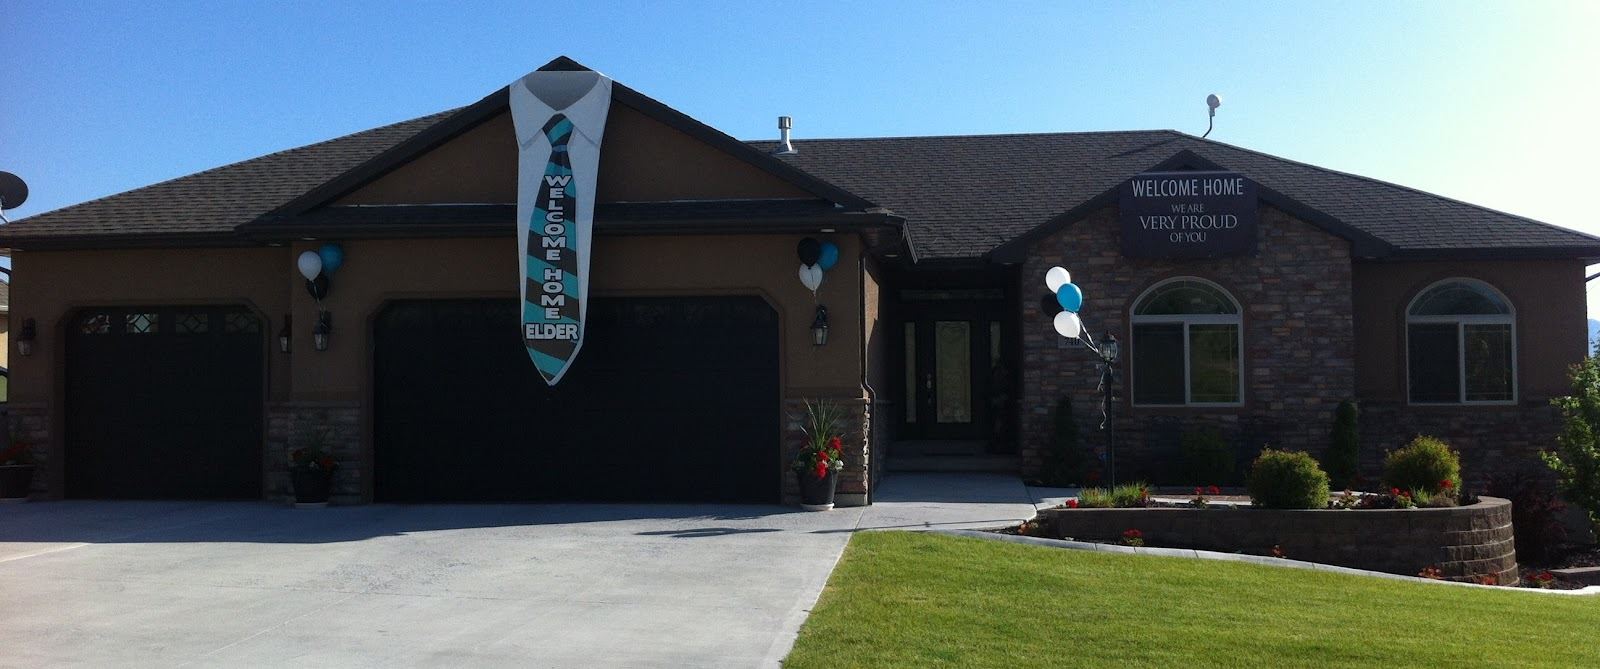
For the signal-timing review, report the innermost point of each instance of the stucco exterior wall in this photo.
(54, 284)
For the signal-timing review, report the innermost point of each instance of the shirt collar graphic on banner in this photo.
(560, 119)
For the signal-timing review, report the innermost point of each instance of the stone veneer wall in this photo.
(1463, 542)
(1299, 351)
(288, 424)
(857, 438)
(1491, 439)
(30, 423)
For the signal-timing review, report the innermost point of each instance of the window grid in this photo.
(1139, 316)
(1461, 322)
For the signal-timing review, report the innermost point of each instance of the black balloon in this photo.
(809, 251)
(1049, 305)
(318, 287)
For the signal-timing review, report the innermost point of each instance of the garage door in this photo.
(164, 403)
(671, 399)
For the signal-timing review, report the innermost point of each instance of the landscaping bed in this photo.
(1468, 543)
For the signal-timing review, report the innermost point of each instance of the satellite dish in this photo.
(13, 191)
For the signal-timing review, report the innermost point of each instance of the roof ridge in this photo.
(236, 163)
(1381, 182)
(1061, 133)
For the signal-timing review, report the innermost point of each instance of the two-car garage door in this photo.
(670, 399)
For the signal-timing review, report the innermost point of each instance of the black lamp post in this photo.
(320, 333)
(1108, 350)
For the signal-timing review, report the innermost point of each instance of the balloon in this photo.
(318, 287)
(1068, 325)
(809, 251)
(829, 256)
(1049, 305)
(332, 258)
(310, 265)
(1070, 297)
(1056, 278)
(811, 276)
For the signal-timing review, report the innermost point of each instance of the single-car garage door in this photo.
(670, 399)
(164, 403)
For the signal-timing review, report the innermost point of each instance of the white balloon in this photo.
(1056, 278)
(310, 265)
(1068, 325)
(811, 276)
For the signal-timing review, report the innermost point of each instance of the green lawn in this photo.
(901, 599)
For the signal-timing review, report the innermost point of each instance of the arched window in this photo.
(1187, 338)
(1461, 345)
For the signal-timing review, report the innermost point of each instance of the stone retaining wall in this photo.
(1463, 542)
(290, 424)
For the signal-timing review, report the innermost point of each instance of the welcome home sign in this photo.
(560, 118)
(1187, 215)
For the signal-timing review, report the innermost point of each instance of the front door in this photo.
(953, 372)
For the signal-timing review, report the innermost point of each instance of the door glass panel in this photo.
(911, 372)
(994, 343)
(952, 349)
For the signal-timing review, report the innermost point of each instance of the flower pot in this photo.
(817, 494)
(311, 486)
(16, 481)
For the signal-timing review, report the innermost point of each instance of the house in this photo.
(179, 353)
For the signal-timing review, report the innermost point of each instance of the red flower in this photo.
(1446, 484)
(835, 444)
(1214, 490)
(1394, 492)
(1072, 504)
(1132, 534)
(822, 469)
(1197, 491)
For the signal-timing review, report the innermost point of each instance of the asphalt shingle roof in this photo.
(962, 196)
(965, 195)
(220, 199)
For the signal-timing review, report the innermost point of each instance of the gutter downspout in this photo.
(872, 395)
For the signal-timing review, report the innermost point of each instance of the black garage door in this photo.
(164, 402)
(670, 399)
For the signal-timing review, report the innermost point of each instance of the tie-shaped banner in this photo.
(559, 118)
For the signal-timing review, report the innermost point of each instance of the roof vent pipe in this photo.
(784, 148)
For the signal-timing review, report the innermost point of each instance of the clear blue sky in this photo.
(1490, 103)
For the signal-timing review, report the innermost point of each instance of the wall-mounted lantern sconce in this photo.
(284, 335)
(819, 327)
(1109, 348)
(320, 333)
(26, 336)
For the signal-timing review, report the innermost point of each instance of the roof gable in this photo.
(1362, 244)
(435, 157)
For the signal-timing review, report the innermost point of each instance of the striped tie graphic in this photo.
(550, 310)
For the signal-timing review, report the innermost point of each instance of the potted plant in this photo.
(816, 466)
(311, 470)
(16, 472)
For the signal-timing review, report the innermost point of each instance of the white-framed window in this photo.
(1187, 348)
(1461, 345)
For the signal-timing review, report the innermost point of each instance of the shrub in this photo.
(1207, 457)
(1287, 480)
(1094, 498)
(1064, 462)
(1343, 458)
(1576, 459)
(1535, 513)
(1425, 465)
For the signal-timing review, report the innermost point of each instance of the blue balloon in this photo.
(829, 257)
(332, 257)
(1070, 297)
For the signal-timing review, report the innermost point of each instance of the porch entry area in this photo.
(955, 373)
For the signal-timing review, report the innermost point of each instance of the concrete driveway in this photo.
(255, 584)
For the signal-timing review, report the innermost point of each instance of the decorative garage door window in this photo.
(1187, 338)
(1461, 345)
